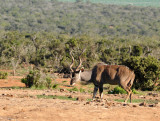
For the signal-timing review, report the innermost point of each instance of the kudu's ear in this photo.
(82, 69)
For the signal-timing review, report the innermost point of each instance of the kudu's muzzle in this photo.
(72, 82)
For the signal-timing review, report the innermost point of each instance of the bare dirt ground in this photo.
(23, 105)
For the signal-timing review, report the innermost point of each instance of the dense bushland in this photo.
(78, 18)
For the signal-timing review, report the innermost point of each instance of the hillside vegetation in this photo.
(78, 18)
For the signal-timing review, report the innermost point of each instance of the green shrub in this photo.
(24, 80)
(134, 91)
(120, 90)
(31, 79)
(117, 90)
(3, 75)
(55, 86)
(37, 79)
(48, 82)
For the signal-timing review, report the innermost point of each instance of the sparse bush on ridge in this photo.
(77, 18)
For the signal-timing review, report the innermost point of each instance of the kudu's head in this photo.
(75, 72)
(76, 76)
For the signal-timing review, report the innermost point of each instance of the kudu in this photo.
(78, 74)
(114, 75)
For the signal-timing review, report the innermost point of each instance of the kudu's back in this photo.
(112, 74)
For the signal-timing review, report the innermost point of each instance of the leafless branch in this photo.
(72, 61)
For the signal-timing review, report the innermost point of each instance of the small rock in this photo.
(4, 108)
(47, 90)
(152, 105)
(143, 104)
(157, 100)
(99, 100)
(3, 94)
(155, 95)
(75, 92)
(142, 96)
(31, 96)
(106, 106)
(150, 93)
(130, 105)
(22, 110)
(70, 96)
(102, 104)
(80, 99)
(126, 104)
(62, 90)
(88, 102)
(134, 105)
(9, 95)
(108, 103)
(157, 104)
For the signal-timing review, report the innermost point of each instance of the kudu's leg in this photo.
(101, 91)
(130, 85)
(129, 94)
(95, 91)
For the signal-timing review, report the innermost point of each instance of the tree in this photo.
(12, 49)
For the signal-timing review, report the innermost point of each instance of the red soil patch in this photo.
(12, 81)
